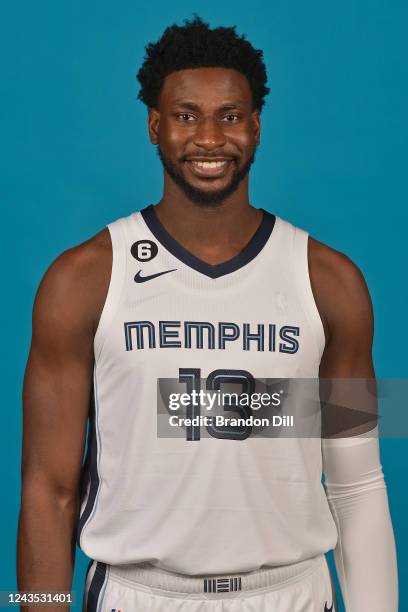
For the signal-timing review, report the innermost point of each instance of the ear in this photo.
(153, 121)
(256, 121)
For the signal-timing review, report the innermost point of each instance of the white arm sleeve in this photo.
(365, 555)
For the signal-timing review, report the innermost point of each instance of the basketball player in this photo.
(201, 286)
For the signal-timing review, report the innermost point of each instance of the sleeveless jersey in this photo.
(209, 505)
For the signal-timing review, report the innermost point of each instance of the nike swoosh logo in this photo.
(326, 609)
(143, 279)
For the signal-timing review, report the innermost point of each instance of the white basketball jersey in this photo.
(208, 505)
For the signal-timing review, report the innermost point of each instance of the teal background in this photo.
(75, 155)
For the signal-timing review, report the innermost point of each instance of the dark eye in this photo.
(185, 117)
(231, 118)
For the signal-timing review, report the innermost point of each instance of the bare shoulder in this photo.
(76, 283)
(339, 288)
(335, 267)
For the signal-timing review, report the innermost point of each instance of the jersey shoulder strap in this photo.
(117, 281)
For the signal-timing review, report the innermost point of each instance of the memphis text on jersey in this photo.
(206, 335)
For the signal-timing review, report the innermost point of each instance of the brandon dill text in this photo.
(221, 421)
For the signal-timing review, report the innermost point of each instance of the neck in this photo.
(212, 233)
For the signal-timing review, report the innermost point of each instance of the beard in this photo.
(199, 196)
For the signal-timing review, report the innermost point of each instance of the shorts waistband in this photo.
(149, 575)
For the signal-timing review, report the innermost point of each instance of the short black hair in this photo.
(196, 45)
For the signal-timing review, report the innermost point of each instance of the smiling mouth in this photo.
(209, 168)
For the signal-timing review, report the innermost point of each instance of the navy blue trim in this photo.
(89, 470)
(254, 246)
(96, 587)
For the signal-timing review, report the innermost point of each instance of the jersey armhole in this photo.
(115, 288)
(303, 281)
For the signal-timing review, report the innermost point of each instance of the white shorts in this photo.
(302, 587)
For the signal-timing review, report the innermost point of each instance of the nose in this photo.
(209, 134)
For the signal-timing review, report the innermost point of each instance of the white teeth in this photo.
(216, 164)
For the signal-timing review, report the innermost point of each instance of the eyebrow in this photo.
(194, 106)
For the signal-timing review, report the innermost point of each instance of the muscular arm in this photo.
(365, 556)
(56, 395)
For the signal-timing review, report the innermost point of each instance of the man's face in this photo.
(206, 131)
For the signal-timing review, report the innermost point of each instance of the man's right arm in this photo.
(57, 387)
